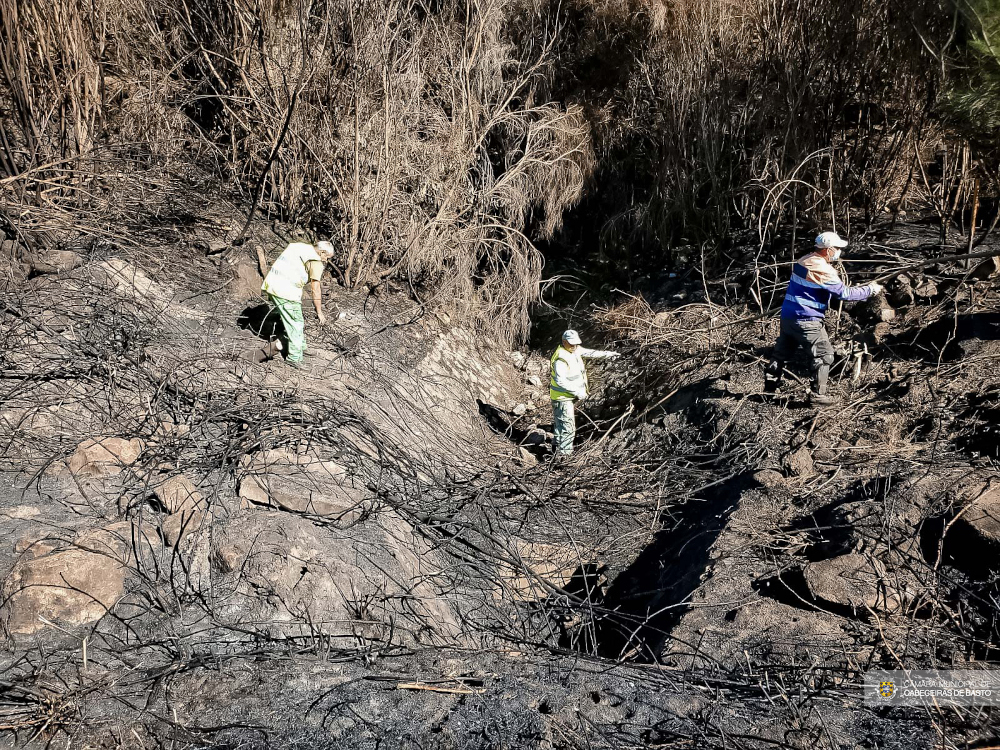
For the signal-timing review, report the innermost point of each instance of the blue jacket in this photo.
(814, 283)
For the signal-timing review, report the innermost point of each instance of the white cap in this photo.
(571, 337)
(325, 247)
(830, 239)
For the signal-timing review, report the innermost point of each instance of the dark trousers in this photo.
(810, 334)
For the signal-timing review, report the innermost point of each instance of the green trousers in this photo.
(295, 326)
(563, 427)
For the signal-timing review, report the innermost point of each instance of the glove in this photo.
(876, 288)
(615, 355)
(582, 397)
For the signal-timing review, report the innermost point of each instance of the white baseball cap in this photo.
(571, 337)
(830, 239)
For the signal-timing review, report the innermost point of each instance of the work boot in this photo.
(772, 375)
(821, 399)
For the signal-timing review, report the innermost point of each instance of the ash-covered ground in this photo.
(375, 551)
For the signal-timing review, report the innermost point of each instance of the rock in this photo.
(104, 457)
(171, 430)
(178, 525)
(34, 547)
(520, 410)
(927, 290)
(981, 518)
(178, 494)
(535, 381)
(517, 359)
(121, 540)
(216, 245)
(886, 314)
(900, 292)
(526, 457)
(55, 261)
(295, 577)
(799, 463)
(661, 319)
(769, 478)
(987, 269)
(301, 484)
(69, 588)
(536, 568)
(851, 580)
(263, 491)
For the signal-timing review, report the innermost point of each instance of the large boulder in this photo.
(104, 457)
(282, 570)
(68, 588)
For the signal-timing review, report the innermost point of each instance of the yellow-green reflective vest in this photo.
(575, 379)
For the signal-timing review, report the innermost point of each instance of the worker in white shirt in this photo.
(568, 383)
(299, 264)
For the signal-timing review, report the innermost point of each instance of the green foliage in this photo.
(974, 102)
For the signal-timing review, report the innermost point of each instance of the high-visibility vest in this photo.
(576, 377)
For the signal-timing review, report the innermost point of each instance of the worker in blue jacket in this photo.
(813, 284)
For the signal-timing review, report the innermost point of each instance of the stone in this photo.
(263, 490)
(34, 547)
(927, 290)
(120, 540)
(886, 314)
(55, 261)
(178, 525)
(178, 494)
(104, 457)
(536, 568)
(900, 293)
(520, 410)
(295, 577)
(535, 381)
(168, 430)
(769, 478)
(69, 588)
(526, 457)
(987, 269)
(517, 359)
(799, 463)
(851, 580)
(981, 518)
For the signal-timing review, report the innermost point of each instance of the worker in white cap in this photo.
(568, 384)
(813, 284)
(299, 264)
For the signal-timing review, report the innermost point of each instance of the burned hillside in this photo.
(404, 374)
